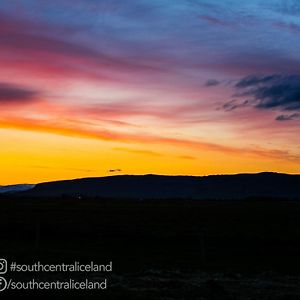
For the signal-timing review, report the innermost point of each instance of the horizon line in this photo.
(152, 174)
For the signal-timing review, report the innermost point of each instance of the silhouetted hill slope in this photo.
(15, 188)
(161, 187)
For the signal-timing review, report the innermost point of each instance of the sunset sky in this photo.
(106, 87)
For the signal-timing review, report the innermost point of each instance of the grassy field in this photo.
(163, 249)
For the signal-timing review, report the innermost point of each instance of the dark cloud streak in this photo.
(11, 93)
(212, 82)
(291, 117)
(114, 170)
(276, 92)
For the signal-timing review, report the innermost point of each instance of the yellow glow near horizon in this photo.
(32, 157)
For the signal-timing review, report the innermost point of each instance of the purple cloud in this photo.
(10, 93)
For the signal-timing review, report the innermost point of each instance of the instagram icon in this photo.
(3, 266)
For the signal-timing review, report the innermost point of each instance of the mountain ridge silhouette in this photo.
(151, 186)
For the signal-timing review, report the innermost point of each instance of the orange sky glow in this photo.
(82, 94)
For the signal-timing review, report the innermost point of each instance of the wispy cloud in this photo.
(188, 157)
(10, 94)
(212, 82)
(108, 135)
(288, 117)
(114, 170)
(215, 21)
(80, 170)
(138, 151)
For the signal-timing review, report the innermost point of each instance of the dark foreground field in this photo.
(161, 249)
